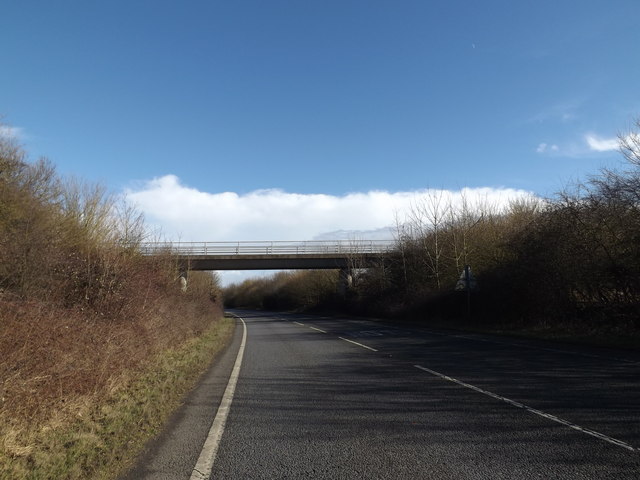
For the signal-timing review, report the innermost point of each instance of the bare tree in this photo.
(401, 241)
(130, 225)
(630, 145)
(461, 221)
(428, 216)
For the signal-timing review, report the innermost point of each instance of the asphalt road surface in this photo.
(341, 398)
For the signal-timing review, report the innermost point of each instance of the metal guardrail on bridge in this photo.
(311, 247)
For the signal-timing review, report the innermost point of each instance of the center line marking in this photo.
(298, 323)
(318, 329)
(359, 344)
(540, 413)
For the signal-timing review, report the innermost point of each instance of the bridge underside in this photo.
(277, 262)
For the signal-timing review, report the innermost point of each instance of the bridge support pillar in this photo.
(345, 281)
(184, 275)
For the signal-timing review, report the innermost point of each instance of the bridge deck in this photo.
(273, 255)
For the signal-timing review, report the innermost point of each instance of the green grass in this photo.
(105, 436)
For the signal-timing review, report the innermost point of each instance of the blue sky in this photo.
(293, 101)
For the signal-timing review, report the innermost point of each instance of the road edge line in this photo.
(204, 465)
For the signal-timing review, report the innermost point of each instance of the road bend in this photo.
(343, 398)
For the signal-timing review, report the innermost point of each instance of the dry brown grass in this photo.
(58, 363)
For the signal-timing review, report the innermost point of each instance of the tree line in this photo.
(572, 260)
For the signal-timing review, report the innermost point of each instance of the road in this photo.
(342, 398)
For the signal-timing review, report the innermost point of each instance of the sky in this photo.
(303, 119)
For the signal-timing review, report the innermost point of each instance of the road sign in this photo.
(467, 281)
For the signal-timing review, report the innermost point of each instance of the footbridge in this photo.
(336, 254)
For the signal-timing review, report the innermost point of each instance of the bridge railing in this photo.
(311, 247)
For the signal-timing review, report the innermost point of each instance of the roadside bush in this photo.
(302, 289)
(81, 308)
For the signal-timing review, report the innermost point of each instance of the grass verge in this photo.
(106, 432)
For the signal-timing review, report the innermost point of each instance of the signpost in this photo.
(466, 283)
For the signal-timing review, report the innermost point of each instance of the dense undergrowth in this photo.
(568, 265)
(82, 311)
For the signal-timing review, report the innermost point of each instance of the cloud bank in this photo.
(183, 213)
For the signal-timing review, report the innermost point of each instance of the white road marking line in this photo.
(298, 323)
(593, 433)
(204, 465)
(359, 344)
(318, 329)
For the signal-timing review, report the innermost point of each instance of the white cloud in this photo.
(545, 147)
(11, 132)
(601, 144)
(187, 214)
